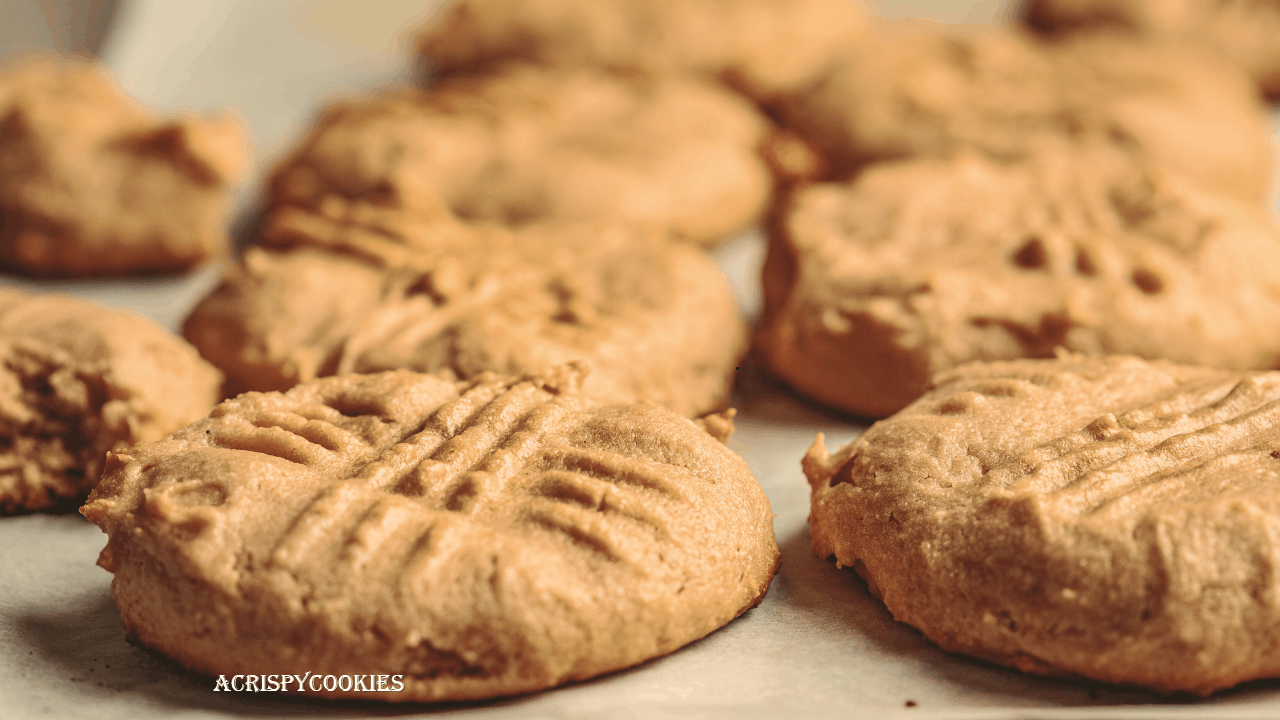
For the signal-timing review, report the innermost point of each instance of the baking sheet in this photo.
(818, 645)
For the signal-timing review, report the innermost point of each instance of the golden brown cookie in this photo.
(1111, 518)
(873, 286)
(77, 381)
(526, 145)
(472, 539)
(91, 184)
(918, 90)
(761, 46)
(1243, 30)
(652, 319)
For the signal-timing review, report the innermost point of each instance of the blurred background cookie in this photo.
(1245, 31)
(653, 319)
(524, 144)
(928, 90)
(873, 286)
(473, 539)
(759, 46)
(91, 184)
(77, 381)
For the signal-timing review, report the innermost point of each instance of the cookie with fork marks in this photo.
(78, 380)
(384, 290)
(482, 538)
(1111, 518)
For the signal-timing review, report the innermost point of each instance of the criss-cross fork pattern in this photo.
(491, 442)
(1164, 451)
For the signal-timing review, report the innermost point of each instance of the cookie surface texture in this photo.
(91, 184)
(480, 539)
(871, 287)
(1243, 30)
(919, 90)
(524, 144)
(77, 381)
(653, 319)
(760, 46)
(1111, 518)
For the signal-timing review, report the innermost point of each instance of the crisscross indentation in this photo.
(323, 526)
(308, 438)
(615, 468)
(1168, 443)
(602, 496)
(470, 448)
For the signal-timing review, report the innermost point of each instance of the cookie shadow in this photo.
(839, 597)
(763, 396)
(78, 658)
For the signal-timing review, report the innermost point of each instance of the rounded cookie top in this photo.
(481, 538)
(916, 267)
(91, 184)
(917, 90)
(524, 144)
(653, 319)
(1112, 518)
(1244, 31)
(761, 46)
(77, 381)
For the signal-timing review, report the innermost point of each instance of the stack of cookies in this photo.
(478, 359)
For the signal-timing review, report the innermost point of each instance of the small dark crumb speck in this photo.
(911, 703)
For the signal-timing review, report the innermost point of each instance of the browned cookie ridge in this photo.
(873, 286)
(931, 91)
(760, 46)
(1111, 518)
(525, 144)
(478, 539)
(77, 381)
(379, 290)
(91, 184)
(1243, 30)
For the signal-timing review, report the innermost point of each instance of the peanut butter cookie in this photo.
(525, 145)
(918, 90)
(472, 539)
(761, 46)
(91, 184)
(77, 381)
(368, 290)
(873, 286)
(1243, 30)
(1111, 518)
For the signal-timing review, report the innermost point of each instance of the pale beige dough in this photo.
(77, 381)
(91, 184)
(1111, 518)
(524, 144)
(916, 267)
(369, 291)
(481, 538)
